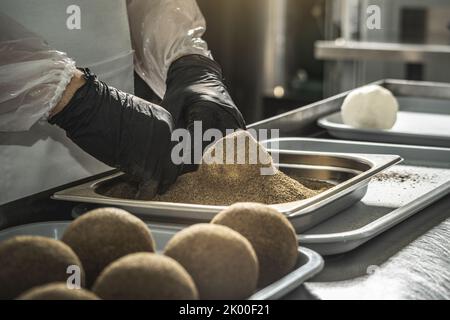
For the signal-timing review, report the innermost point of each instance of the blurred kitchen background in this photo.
(282, 54)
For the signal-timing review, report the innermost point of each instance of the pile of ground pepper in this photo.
(225, 184)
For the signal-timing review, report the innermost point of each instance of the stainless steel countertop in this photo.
(409, 261)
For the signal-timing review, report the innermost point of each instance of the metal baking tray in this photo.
(414, 96)
(424, 121)
(349, 172)
(393, 196)
(309, 263)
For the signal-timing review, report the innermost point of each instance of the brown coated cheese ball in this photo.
(222, 263)
(104, 235)
(30, 261)
(57, 291)
(145, 276)
(271, 234)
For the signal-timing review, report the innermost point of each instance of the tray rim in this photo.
(293, 279)
(384, 222)
(332, 126)
(275, 290)
(168, 226)
(374, 143)
(291, 209)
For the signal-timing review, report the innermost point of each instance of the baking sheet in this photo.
(353, 172)
(392, 196)
(419, 121)
(309, 263)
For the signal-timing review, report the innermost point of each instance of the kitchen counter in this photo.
(411, 260)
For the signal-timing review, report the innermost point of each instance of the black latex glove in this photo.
(196, 92)
(123, 131)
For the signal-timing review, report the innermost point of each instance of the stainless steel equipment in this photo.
(350, 172)
(309, 262)
(395, 195)
(412, 41)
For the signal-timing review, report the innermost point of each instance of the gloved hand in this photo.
(196, 92)
(122, 131)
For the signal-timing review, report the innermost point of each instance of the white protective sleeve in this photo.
(161, 32)
(33, 76)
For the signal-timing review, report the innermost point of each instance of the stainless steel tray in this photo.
(414, 96)
(350, 172)
(423, 121)
(423, 177)
(410, 128)
(309, 263)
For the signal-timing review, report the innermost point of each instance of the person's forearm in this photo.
(118, 128)
(75, 83)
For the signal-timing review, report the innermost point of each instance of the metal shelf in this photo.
(355, 50)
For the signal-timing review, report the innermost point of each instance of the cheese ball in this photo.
(30, 261)
(370, 107)
(222, 262)
(270, 233)
(145, 276)
(57, 291)
(104, 235)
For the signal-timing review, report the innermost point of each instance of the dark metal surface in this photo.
(409, 261)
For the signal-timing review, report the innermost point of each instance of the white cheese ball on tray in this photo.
(370, 107)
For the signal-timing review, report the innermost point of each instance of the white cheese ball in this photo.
(370, 107)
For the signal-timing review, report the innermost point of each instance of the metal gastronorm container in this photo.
(350, 173)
